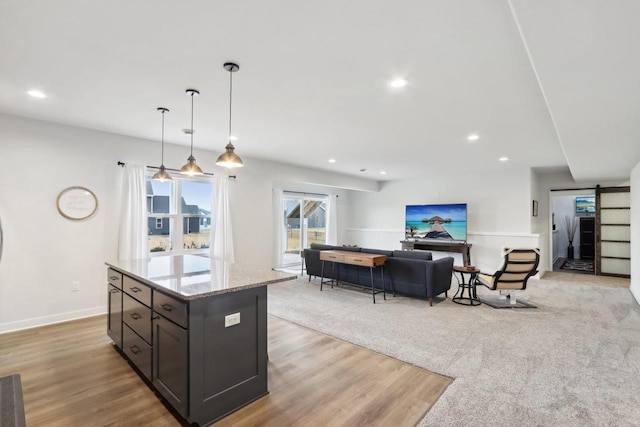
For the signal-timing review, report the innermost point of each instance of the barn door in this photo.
(613, 218)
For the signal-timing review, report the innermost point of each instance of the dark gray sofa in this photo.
(410, 273)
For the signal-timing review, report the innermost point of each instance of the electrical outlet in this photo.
(231, 319)
(75, 286)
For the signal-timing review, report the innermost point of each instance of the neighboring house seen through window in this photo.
(179, 214)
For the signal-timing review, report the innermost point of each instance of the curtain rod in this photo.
(574, 189)
(174, 170)
(304, 192)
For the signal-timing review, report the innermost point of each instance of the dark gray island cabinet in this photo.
(195, 328)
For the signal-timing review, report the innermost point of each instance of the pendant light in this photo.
(229, 159)
(162, 175)
(191, 168)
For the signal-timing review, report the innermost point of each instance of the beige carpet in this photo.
(573, 361)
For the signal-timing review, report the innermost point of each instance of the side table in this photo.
(470, 286)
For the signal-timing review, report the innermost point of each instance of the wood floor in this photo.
(71, 376)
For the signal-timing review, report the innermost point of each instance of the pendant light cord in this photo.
(162, 162)
(230, 98)
(192, 93)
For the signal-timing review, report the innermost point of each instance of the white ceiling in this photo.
(546, 83)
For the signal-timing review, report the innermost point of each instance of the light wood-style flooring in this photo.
(71, 376)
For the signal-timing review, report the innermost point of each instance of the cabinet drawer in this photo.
(331, 257)
(114, 320)
(171, 308)
(114, 277)
(137, 316)
(137, 290)
(138, 351)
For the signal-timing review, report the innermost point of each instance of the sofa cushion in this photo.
(424, 255)
(322, 247)
(377, 251)
(347, 248)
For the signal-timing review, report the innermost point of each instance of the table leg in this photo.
(321, 275)
(473, 283)
(384, 293)
(373, 292)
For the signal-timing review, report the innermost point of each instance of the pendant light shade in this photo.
(191, 168)
(229, 159)
(162, 175)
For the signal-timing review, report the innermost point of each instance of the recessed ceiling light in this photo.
(233, 138)
(332, 160)
(503, 159)
(473, 137)
(399, 82)
(383, 172)
(36, 94)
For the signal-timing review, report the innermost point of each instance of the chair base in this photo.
(502, 303)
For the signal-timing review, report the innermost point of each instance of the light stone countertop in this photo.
(190, 277)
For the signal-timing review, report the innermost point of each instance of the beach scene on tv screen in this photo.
(443, 222)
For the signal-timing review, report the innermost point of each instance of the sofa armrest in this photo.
(439, 273)
(312, 262)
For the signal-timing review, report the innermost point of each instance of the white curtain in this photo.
(278, 228)
(133, 237)
(221, 231)
(332, 220)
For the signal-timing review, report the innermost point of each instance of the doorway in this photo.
(305, 222)
(573, 223)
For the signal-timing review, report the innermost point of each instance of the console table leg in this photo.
(384, 292)
(321, 275)
(373, 292)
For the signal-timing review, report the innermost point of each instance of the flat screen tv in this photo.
(586, 204)
(440, 222)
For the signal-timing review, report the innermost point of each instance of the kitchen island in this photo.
(194, 328)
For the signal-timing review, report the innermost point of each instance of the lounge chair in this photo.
(519, 265)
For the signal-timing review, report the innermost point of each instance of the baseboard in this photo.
(636, 294)
(50, 320)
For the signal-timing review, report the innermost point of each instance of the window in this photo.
(179, 214)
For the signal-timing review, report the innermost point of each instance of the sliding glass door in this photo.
(305, 222)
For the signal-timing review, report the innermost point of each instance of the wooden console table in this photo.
(354, 258)
(463, 248)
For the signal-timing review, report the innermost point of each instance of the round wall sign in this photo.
(77, 203)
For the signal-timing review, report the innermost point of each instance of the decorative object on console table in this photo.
(570, 225)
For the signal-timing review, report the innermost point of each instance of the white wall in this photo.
(44, 252)
(635, 232)
(498, 212)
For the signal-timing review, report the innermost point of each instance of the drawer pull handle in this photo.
(357, 260)
(332, 257)
(136, 289)
(136, 316)
(167, 307)
(114, 278)
(135, 349)
(114, 291)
